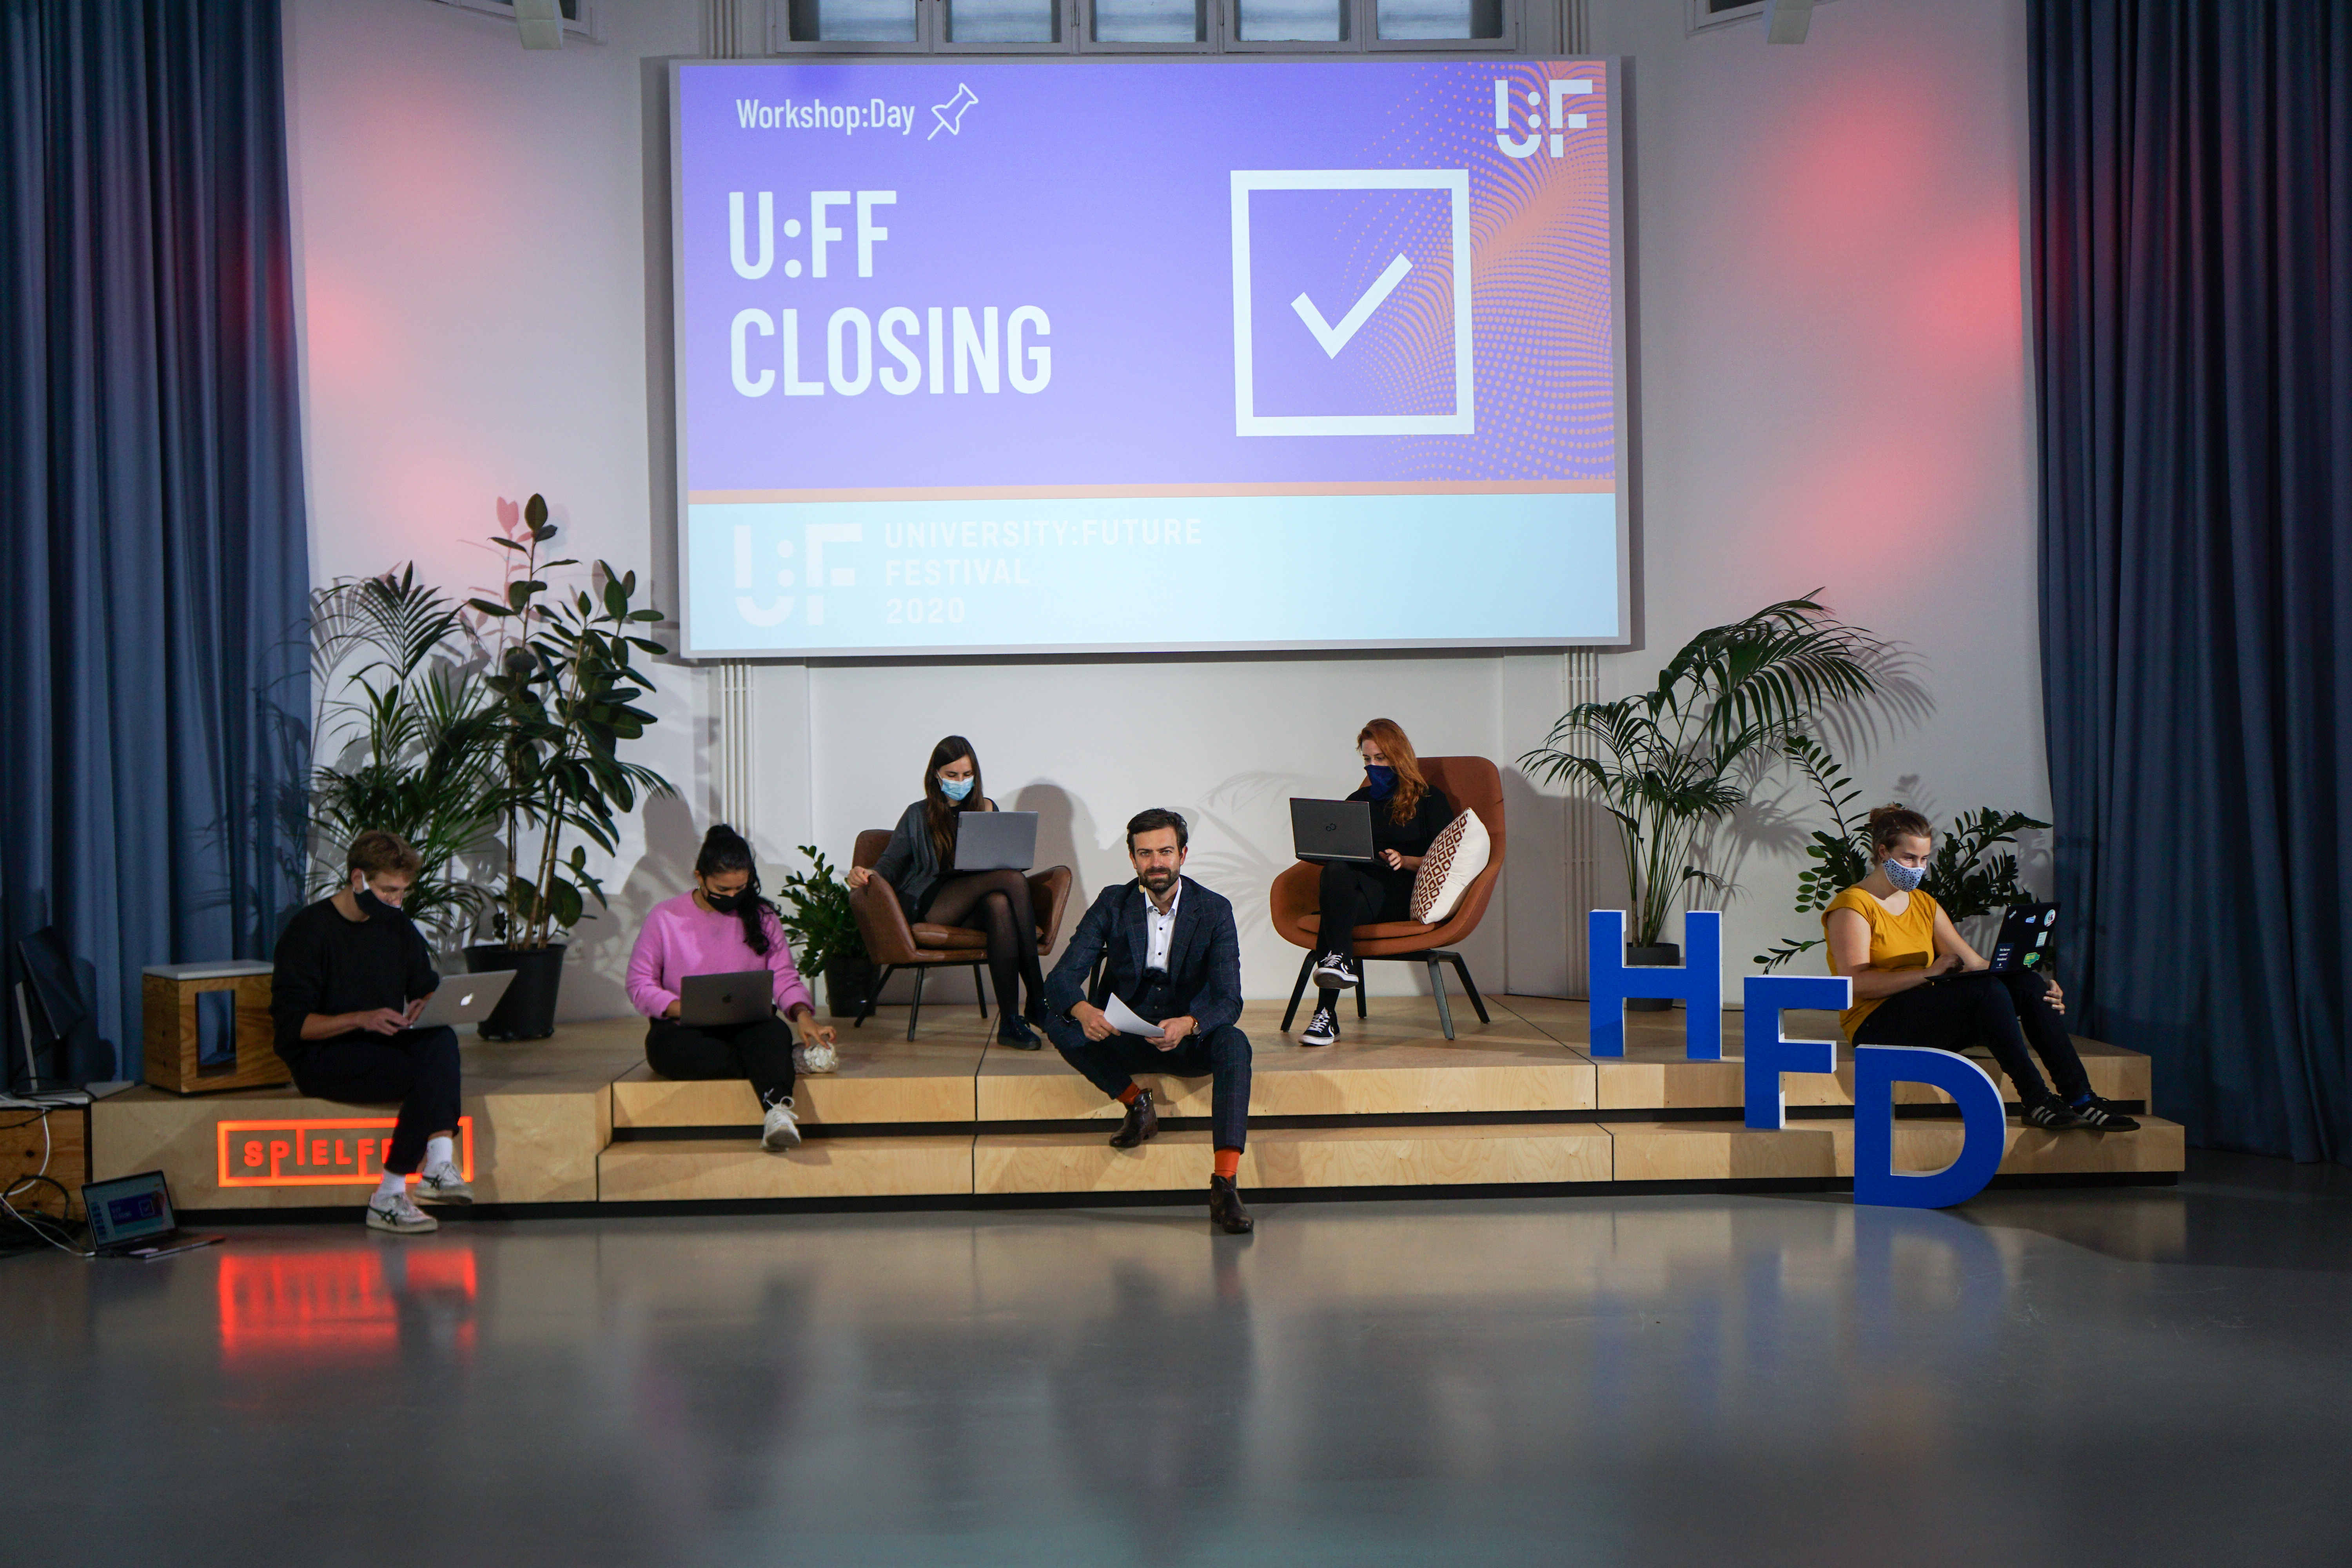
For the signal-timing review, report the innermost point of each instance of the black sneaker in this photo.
(2101, 1115)
(1332, 973)
(1013, 1032)
(2050, 1114)
(1321, 1029)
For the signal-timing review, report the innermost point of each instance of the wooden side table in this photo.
(168, 993)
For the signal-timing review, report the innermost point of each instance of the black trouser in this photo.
(761, 1052)
(1223, 1054)
(417, 1068)
(1356, 896)
(2003, 1009)
(1001, 902)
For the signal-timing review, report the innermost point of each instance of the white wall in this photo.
(1835, 390)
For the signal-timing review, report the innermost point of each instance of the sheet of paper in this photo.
(1124, 1019)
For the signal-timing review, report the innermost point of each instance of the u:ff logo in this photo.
(1562, 88)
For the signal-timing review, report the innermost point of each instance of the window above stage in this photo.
(1151, 26)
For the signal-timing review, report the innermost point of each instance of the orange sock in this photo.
(1229, 1162)
(1126, 1096)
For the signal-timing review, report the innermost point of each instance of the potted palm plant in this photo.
(815, 907)
(565, 684)
(410, 729)
(1668, 761)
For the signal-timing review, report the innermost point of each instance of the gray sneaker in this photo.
(782, 1133)
(395, 1214)
(443, 1184)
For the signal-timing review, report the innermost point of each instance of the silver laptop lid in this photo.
(995, 840)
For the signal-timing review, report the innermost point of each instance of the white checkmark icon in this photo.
(1334, 339)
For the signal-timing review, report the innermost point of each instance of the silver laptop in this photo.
(464, 998)
(1332, 830)
(995, 840)
(742, 996)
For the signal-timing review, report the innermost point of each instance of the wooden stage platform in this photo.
(1516, 1102)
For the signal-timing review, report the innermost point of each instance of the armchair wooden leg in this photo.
(872, 994)
(979, 989)
(1471, 986)
(1444, 1012)
(915, 1016)
(1298, 990)
(1361, 972)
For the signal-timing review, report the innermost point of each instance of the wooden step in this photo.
(882, 1079)
(1084, 1162)
(685, 1169)
(1728, 1151)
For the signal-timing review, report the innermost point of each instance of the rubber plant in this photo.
(566, 685)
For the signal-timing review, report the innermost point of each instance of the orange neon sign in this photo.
(315, 1151)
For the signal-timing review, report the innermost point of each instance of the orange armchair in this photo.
(1468, 783)
(896, 943)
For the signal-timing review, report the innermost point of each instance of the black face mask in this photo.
(372, 906)
(731, 903)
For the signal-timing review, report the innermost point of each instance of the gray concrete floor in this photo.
(2067, 1376)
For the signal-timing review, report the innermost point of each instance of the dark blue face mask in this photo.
(1383, 779)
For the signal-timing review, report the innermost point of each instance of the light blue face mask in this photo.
(955, 789)
(1905, 877)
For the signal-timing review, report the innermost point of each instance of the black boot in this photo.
(1225, 1211)
(1142, 1123)
(1012, 1031)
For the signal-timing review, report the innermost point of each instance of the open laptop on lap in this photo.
(714, 1001)
(1332, 830)
(464, 999)
(2028, 937)
(995, 841)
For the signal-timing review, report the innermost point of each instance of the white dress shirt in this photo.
(1160, 928)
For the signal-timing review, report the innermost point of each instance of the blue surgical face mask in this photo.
(1905, 877)
(1383, 779)
(955, 789)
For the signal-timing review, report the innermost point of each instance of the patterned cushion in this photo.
(1456, 858)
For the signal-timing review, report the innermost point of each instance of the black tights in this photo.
(2003, 1009)
(999, 903)
(1354, 896)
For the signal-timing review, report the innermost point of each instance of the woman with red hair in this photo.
(1407, 816)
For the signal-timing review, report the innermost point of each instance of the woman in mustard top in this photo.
(1916, 982)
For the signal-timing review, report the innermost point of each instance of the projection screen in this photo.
(1015, 356)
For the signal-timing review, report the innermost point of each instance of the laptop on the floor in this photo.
(132, 1217)
(714, 1001)
(995, 840)
(2028, 937)
(464, 999)
(1332, 830)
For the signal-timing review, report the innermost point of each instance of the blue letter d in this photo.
(1984, 1129)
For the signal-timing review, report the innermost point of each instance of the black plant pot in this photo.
(526, 1011)
(849, 982)
(1665, 955)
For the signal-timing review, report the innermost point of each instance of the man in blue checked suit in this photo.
(1173, 957)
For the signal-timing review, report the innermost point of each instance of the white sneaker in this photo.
(443, 1184)
(782, 1134)
(1321, 1029)
(1332, 973)
(394, 1212)
(815, 1057)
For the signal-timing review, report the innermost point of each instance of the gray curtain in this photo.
(155, 683)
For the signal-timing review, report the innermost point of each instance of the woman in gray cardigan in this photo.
(996, 901)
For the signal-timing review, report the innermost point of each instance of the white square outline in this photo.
(1246, 420)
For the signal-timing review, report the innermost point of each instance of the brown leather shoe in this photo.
(1140, 1123)
(1225, 1211)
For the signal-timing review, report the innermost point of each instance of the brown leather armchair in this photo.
(1468, 783)
(896, 943)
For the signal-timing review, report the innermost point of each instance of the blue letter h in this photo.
(1698, 984)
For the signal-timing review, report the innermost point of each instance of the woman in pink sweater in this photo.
(725, 927)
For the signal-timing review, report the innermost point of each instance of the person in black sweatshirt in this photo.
(1407, 817)
(353, 975)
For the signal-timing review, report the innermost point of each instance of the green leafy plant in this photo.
(1970, 874)
(565, 683)
(815, 907)
(410, 727)
(1671, 759)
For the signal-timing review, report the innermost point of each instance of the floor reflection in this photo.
(342, 1306)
